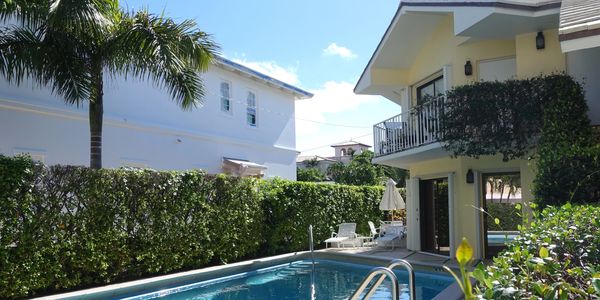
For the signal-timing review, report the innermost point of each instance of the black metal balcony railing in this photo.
(416, 127)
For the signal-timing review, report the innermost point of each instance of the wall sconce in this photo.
(468, 68)
(470, 176)
(540, 41)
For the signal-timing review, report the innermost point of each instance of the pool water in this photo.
(500, 239)
(333, 280)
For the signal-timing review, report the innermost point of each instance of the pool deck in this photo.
(415, 257)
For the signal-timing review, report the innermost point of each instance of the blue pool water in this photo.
(333, 280)
(500, 239)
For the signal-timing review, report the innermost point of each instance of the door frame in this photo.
(483, 244)
(414, 185)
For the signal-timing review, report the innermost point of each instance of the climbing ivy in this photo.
(544, 117)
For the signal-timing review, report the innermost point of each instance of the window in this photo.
(431, 89)
(251, 109)
(225, 97)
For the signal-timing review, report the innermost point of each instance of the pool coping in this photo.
(165, 281)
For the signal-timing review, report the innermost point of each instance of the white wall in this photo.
(143, 126)
(584, 65)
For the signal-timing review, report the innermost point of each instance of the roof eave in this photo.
(298, 93)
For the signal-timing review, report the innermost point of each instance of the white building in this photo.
(246, 125)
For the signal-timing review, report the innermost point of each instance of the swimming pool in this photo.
(500, 238)
(333, 280)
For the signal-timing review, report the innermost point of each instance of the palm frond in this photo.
(82, 17)
(48, 58)
(31, 12)
(170, 54)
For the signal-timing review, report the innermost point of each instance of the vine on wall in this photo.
(545, 116)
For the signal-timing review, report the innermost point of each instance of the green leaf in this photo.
(543, 252)
(596, 283)
(497, 221)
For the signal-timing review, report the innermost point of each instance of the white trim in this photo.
(451, 235)
(580, 43)
(230, 98)
(478, 220)
(248, 91)
(140, 126)
(413, 215)
(447, 75)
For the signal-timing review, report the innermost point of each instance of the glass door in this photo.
(434, 215)
(502, 206)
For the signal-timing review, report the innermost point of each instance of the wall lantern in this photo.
(540, 41)
(470, 176)
(468, 68)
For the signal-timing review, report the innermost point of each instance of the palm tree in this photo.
(69, 45)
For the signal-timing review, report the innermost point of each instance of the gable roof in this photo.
(471, 13)
(227, 64)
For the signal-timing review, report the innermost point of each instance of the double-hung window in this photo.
(251, 109)
(225, 97)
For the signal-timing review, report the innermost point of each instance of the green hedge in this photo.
(569, 156)
(507, 213)
(67, 227)
(556, 258)
(291, 206)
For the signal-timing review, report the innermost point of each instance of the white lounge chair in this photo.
(391, 236)
(373, 234)
(346, 234)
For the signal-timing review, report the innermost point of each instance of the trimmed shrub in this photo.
(545, 116)
(66, 227)
(310, 175)
(555, 258)
(292, 206)
(508, 214)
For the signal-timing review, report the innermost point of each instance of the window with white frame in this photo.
(431, 88)
(251, 109)
(225, 96)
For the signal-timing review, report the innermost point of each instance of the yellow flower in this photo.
(464, 253)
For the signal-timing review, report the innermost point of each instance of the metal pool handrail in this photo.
(374, 272)
(411, 278)
(311, 247)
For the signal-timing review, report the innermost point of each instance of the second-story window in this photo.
(431, 89)
(225, 97)
(251, 109)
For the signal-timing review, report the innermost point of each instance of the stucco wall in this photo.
(444, 48)
(533, 62)
(467, 195)
(584, 65)
(143, 125)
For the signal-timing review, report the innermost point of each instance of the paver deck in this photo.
(403, 253)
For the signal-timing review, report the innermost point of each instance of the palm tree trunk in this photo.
(96, 114)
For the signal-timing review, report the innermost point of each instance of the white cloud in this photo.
(341, 51)
(332, 98)
(286, 74)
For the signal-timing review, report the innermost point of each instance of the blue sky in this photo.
(321, 46)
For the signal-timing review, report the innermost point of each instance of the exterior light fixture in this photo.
(470, 176)
(468, 68)
(540, 41)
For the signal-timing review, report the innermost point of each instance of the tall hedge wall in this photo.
(67, 227)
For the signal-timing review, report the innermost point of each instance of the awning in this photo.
(242, 167)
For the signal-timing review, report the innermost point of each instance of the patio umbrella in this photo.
(392, 200)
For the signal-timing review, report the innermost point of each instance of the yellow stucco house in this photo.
(431, 46)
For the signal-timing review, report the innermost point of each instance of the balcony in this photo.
(417, 127)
